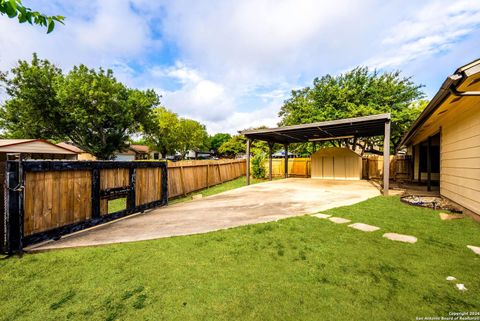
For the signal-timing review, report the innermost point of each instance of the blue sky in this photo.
(230, 64)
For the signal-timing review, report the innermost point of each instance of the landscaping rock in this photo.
(339, 220)
(320, 215)
(449, 217)
(451, 278)
(197, 197)
(475, 249)
(400, 237)
(461, 287)
(364, 227)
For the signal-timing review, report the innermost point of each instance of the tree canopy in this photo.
(217, 140)
(163, 134)
(169, 133)
(191, 136)
(237, 145)
(15, 8)
(358, 92)
(87, 107)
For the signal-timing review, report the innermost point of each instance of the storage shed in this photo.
(336, 163)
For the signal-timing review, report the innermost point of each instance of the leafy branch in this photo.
(15, 8)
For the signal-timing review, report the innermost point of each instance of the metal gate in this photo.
(47, 199)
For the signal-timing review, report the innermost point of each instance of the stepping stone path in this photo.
(339, 220)
(475, 249)
(320, 215)
(400, 237)
(364, 227)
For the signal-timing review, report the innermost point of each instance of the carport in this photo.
(347, 128)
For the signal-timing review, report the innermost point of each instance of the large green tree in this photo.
(359, 92)
(33, 108)
(15, 8)
(191, 136)
(88, 107)
(217, 140)
(163, 134)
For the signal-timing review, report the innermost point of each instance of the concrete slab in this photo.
(339, 220)
(264, 202)
(364, 227)
(320, 215)
(475, 249)
(400, 237)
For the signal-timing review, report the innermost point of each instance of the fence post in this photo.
(14, 208)
(131, 194)
(95, 193)
(164, 170)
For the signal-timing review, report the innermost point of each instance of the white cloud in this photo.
(197, 97)
(104, 33)
(435, 28)
(230, 64)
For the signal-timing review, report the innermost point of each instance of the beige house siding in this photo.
(460, 158)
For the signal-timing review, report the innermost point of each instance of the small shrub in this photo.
(258, 170)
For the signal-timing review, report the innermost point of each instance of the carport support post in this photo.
(248, 161)
(429, 163)
(386, 158)
(286, 160)
(270, 152)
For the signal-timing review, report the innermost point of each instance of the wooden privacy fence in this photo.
(400, 167)
(372, 167)
(297, 167)
(47, 199)
(189, 176)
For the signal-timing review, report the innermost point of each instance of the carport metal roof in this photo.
(366, 126)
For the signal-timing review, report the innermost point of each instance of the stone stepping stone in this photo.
(320, 215)
(400, 237)
(475, 249)
(339, 220)
(449, 217)
(451, 278)
(364, 227)
(461, 287)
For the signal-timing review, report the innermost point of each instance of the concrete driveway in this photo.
(258, 203)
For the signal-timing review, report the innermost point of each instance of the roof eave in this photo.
(443, 93)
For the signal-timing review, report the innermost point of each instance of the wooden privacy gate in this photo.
(48, 199)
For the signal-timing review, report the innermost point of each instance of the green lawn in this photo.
(300, 268)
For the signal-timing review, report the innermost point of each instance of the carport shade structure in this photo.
(358, 127)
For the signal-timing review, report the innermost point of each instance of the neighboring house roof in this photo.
(140, 149)
(32, 146)
(71, 147)
(460, 84)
